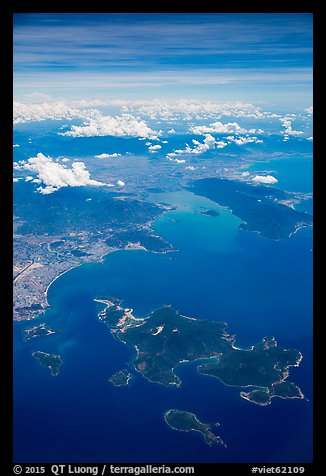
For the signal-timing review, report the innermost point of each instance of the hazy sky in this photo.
(264, 58)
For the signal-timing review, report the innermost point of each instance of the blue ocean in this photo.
(258, 286)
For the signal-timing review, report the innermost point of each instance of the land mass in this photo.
(37, 331)
(165, 339)
(185, 421)
(53, 234)
(263, 209)
(121, 378)
(51, 361)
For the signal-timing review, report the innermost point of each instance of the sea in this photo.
(260, 287)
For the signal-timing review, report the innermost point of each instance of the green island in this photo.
(264, 366)
(121, 378)
(264, 209)
(263, 396)
(165, 339)
(185, 421)
(36, 331)
(51, 361)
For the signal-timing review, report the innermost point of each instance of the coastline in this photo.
(243, 222)
(97, 260)
(57, 277)
(217, 439)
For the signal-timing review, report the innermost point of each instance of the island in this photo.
(264, 366)
(121, 378)
(166, 338)
(51, 361)
(263, 396)
(185, 421)
(36, 331)
(263, 209)
(210, 213)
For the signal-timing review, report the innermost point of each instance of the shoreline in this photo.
(129, 247)
(177, 382)
(99, 260)
(57, 277)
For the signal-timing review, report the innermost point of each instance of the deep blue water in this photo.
(260, 287)
(294, 174)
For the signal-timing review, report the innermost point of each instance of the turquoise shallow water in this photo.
(260, 287)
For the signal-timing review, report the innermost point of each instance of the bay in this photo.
(260, 287)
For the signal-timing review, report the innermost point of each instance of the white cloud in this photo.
(16, 145)
(43, 108)
(18, 165)
(95, 123)
(40, 112)
(121, 183)
(256, 131)
(247, 140)
(209, 143)
(107, 156)
(154, 148)
(264, 179)
(189, 109)
(47, 190)
(124, 125)
(200, 148)
(180, 161)
(310, 110)
(241, 140)
(15, 179)
(55, 176)
(65, 159)
(245, 174)
(219, 128)
(28, 178)
(190, 167)
(221, 144)
(287, 124)
(310, 138)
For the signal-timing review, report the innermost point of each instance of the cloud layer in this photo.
(95, 123)
(23, 113)
(219, 128)
(100, 125)
(55, 176)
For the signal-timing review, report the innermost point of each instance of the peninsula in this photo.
(263, 209)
